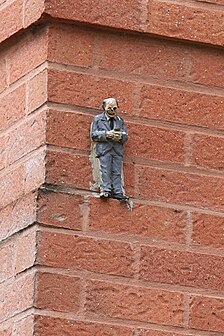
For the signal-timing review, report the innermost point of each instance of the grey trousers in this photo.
(111, 172)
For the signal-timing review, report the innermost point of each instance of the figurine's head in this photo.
(110, 106)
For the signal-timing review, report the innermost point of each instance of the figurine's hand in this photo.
(117, 136)
(110, 134)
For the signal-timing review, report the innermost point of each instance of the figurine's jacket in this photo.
(99, 128)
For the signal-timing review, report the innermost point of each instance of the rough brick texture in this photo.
(72, 264)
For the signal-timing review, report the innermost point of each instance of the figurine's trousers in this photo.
(111, 172)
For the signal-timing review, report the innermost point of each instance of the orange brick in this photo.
(49, 326)
(208, 230)
(87, 90)
(18, 56)
(191, 108)
(11, 18)
(155, 143)
(37, 91)
(12, 107)
(62, 49)
(85, 253)
(119, 14)
(67, 129)
(182, 268)
(206, 313)
(68, 169)
(57, 292)
(142, 56)
(208, 152)
(145, 220)
(112, 300)
(60, 210)
(181, 187)
(185, 21)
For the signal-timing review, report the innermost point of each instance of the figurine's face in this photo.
(111, 106)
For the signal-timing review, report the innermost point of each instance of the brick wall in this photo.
(70, 263)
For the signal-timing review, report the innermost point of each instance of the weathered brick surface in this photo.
(134, 303)
(208, 230)
(155, 143)
(25, 253)
(185, 107)
(62, 49)
(12, 302)
(87, 90)
(182, 268)
(32, 11)
(142, 56)
(3, 73)
(117, 14)
(185, 21)
(145, 332)
(208, 152)
(60, 210)
(6, 260)
(24, 326)
(17, 215)
(18, 56)
(181, 187)
(67, 129)
(57, 292)
(145, 220)
(37, 91)
(57, 326)
(85, 253)
(206, 313)
(12, 107)
(68, 169)
(11, 18)
(34, 171)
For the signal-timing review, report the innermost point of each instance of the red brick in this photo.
(57, 292)
(218, 2)
(155, 143)
(142, 56)
(145, 220)
(25, 250)
(185, 21)
(6, 331)
(208, 152)
(68, 129)
(11, 186)
(208, 230)
(16, 296)
(17, 215)
(191, 108)
(120, 14)
(87, 90)
(206, 313)
(57, 326)
(112, 300)
(6, 260)
(129, 179)
(68, 169)
(19, 57)
(29, 135)
(11, 18)
(37, 91)
(182, 268)
(85, 253)
(4, 141)
(62, 49)
(206, 65)
(181, 187)
(24, 327)
(34, 170)
(3, 74)
(153, 332)
(33, 11)
(60, 210)
(12, 107)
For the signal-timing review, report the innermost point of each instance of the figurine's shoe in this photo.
(104, 195)
(120, 197)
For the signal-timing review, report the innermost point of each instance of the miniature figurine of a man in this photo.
(109, 132)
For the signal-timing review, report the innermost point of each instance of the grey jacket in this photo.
(99, 128)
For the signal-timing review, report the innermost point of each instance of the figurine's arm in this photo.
(97, 135)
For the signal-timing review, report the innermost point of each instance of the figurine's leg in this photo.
(117, 175)
(105, 170)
